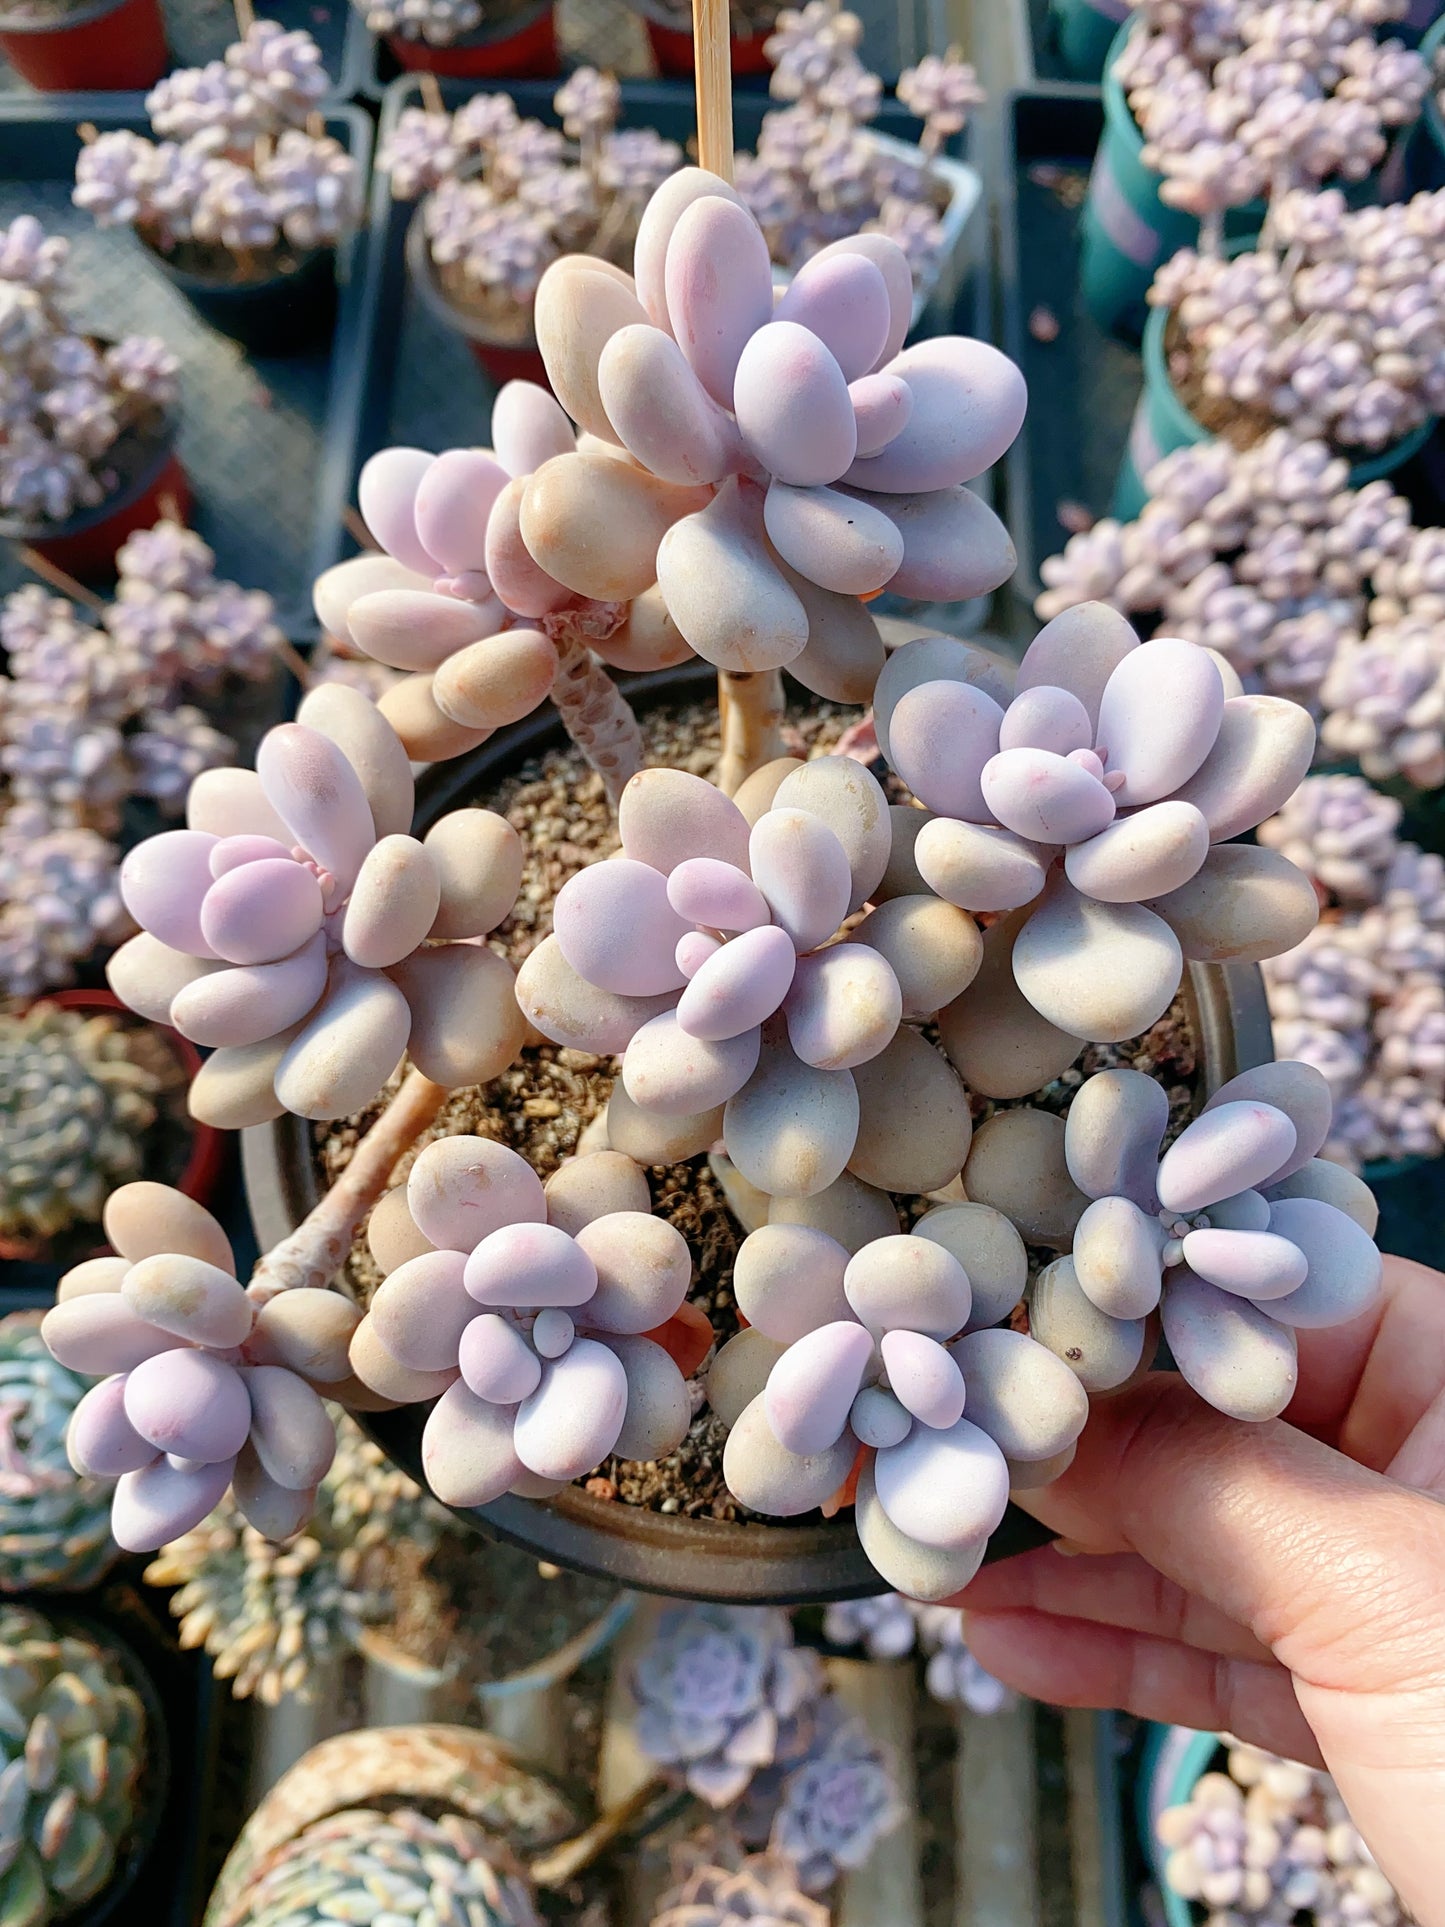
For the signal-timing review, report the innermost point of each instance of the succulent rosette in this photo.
(532, 1316)
(838, 1802)
(889, 1356)
(1094, 810)
(1239, 1235)
(200, 1390)
(765, 464)
(298, 928)
(705, 954)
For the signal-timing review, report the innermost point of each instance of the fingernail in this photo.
(1068, 1548)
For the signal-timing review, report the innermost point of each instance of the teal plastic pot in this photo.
(1426, 150)
(1127, 231)
(1083, 32)
(1162, 423)
(1175, 1759)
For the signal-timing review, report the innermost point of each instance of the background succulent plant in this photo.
(72, 1749)
(54, 1524)
(890, 1626)
(65, 400)
(74, 1109)
(722, 1693)
(759, 1887)
(837, 1803)
(269, 1614)
(240, 164)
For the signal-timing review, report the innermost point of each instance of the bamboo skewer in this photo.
(712, 56)
(57, 578)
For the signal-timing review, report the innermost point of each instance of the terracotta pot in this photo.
(108, 46)
(85, 546)
(525, 52)
(786, 1564)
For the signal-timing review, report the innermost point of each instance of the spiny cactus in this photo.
(74, 1110)
(72, 1747)
(400, 1867)
(54, 1524)
(268, 1614)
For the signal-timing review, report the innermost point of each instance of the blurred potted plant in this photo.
(467, 39)
(85, 46)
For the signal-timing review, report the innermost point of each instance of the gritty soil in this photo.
(543, 1103)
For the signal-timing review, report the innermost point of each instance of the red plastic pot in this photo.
(85, 546)
(202, 1173)
(673, 51)
(528, 54)
(110, 46)
(501, 365)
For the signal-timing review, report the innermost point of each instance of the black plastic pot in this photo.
(282, 314)
(149, 481)
(782, 1564)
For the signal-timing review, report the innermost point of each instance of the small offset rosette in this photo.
(537, 1317)
(300, 931)
(884, 1367)
(1238, 1236)
(201, 1392)
(1092, 814)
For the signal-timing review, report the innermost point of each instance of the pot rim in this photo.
(521, 18)
(1176, 1758)
(13, 529)
(81, 16)
(672, 1554)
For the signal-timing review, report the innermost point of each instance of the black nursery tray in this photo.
(201, 30)
(427, 390)
(269, 445)
(1082, 384)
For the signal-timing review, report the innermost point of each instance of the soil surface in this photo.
(543, 1103)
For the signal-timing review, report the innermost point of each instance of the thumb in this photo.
(1338, 1570)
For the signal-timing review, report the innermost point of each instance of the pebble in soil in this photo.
(543, 1103)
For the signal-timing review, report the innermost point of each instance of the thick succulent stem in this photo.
(562, 1864)
(594, 712)
(751, 708)
(317, 1249)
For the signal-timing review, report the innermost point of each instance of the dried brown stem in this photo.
(594, 712)
(57, 578)
(562, 1864)
(317, 1249)
(751, 709)
(360, 534)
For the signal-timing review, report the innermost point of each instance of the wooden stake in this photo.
(245, 16)
(57, 578)
(431, 94)
(360, 534)
(317, 1249)
(712, 56)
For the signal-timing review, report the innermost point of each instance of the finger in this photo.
(1363, 1385)
(1072, 1662)
(1420, 1461)
(1114, 1589)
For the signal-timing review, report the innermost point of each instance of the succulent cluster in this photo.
(1363, 997)
(472, 632)
(72, 1749)
(242, 163)
(759, 1888)
(1239, 1235)
(438, 22)
(702, 953)
(1333, 329)
(66, 397)
(1269, 1841)
(537, 1316)
(75, 1107)
(1309, 588)
(54, 1524)
(837, 1803)
(394, 1864)
(504, 196)
(877, 1358)
(298, 929)
(1248, 98)
(889, 1626)
(818, 173)
(1097, 808)
(269, 1614)
(200, 1391)
(58, 899)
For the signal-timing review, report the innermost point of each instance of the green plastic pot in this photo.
(1175, 1759)
(1162, 423)
(1083, 32)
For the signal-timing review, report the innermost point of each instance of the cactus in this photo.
(72, 1741)
(74, 1108)
(54, 1525)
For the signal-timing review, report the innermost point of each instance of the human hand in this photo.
(1281, 1582)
